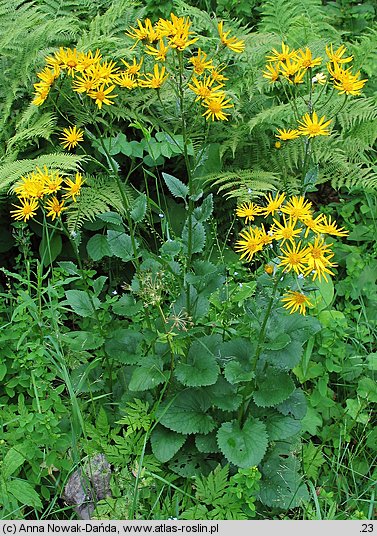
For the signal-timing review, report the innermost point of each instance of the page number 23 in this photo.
(366, 527)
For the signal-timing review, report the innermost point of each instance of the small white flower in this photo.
(114, 292)
(300, 276)
(235, 273)
(161, 215)
(240, 285)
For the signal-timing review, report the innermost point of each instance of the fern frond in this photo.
(100, 195)
(242, 184)
(10, 172)
(42, 128)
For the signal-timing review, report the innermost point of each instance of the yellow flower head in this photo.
(40, 96)
(144, 32)
(28, 209)
(327, 226)
(311, 126)
(298, 208)
(154, 80)
(102, 96)
(292, 71)
(71, 137)
(52, 183)
(55, 207)
(69, 59)
(249, 244)
(159, 52)
(282, 55)
(293, 258)
(215, 106)
(273, 204)
(134, 67)
(248, 211)
(86, 60)
(317, 262)
(290, 134)
(273, 72)
(286, 230)
(31, 187)
(234, 44)
(203, 88)
(48, 76)
(106, 72)
(216, 74)
(349, 84)
(269, 269)
(87, 82)
(295, 301)
(320, 79)
(313, 224)
(306, 60)
(123, 79)
(337, 56)
(200, 62)
(73, 189)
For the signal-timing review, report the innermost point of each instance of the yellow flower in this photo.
(48, 76)
(73, 188)
(250, 243)
(69, 59)
(40, 96)
(296, 301)
(349, 84)
(277, 144)
(102, 96)
(134, 67)
(285, 231)
(52, 183)
(154, 80)
(71, 137)
(293, 258)
(273, 72)
(86, 60)
(264, 237)
(143, 33)
(232, 43)
(31, 187)
(200, 62)
(248, 211)
(87, 82)
(203, 88)
(216, 74)
(311, 126)
(273, 205)
(55, 207)
(292, 71)
(317, 261)
(329, 227)
(215, 106)
(290, 134)
(106, 72)
(269, 269)
(159, 52)
(284, 55)
(313, 224)
(306, 60)
(123, 79)
(337, 56)
(28, 209)
(298, 208)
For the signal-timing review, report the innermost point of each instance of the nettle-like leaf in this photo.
(243, 446)
(149, 375)
(166, 443)
(98, 247)
(120, 245)
(198, 236)
(203, 212)
(176, 187)
(281, 427)
(187, 412)
(139, 208)
(124, 346)
(274, 388)
(81, 303)
(201, 368)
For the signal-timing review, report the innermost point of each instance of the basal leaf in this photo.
(166, 443)
(246, 446)
(80, 302)
(187, 413)
(274, 389)
(177, 187)
(98, 247)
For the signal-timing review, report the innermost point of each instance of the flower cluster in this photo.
(41, 188)
(295, 236)
(163, 46)
(292, 66)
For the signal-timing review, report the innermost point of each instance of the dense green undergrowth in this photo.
(130, 327)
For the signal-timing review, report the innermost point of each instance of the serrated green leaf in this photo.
(207, 443)
(224, 395)
(148, 376)
(98, 247)
(126, 306)
(234, 372)
(139, 208)
(281, 341)
(171, 248)
(80, 341)
(313, 459)
(295, 405)
(80, 302)
(187, 413)
(120, 245)
(24, 493)
(246, 446)
(166, 443)
(124, 346)
(203, 212)
(281, 427)
(111, 217)
(11, 462)
(274, 389)
(176, 187)
(198, 236)
(201, 368)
